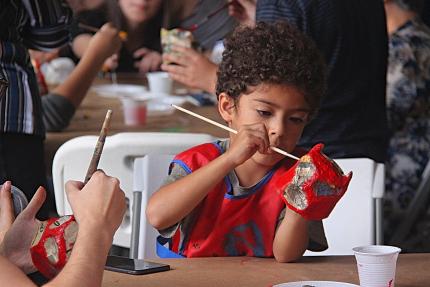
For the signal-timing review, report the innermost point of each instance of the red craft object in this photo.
(43, 87)
(314, 185)
(53, 243)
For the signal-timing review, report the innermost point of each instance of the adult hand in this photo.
(147, 60)
(191, 68)
(6, 209)
(17, 240)
(99, 205)
(244, 11)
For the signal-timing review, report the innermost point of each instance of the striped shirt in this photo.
(36, 24)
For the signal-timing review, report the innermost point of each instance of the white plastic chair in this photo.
(149, 173)
(357, 218)
(72, 159)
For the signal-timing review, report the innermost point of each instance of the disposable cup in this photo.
(135, 111)
(160, 82)
(376, 265)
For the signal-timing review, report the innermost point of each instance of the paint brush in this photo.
(278, 150)
(99, 147)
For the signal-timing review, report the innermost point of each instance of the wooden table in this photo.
(412, 270)
(90, 115)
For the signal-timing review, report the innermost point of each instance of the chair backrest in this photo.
(72, 159)
(355, 221)
(150, 171)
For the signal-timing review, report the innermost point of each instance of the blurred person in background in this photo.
(140, 19)
(59, 106)
(408, 110)
(40, 25)
(197, 69)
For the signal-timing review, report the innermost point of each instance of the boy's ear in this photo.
(226, 107)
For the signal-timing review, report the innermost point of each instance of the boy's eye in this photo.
(264, 113)
(297, 120)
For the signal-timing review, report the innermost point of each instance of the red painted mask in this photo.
(314, 185)
(53, 243)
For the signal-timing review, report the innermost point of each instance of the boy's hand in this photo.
(249, 140)
(147, 60)
(191, 68)
(99, 205)
(244, 11)
(17, 241)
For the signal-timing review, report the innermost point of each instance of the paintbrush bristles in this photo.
(99, 147)
(278, 150)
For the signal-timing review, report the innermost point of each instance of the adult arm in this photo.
(59, 106)
(98, 208)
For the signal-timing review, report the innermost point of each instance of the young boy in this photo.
(220, 198)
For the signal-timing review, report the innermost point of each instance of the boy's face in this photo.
(281, 108)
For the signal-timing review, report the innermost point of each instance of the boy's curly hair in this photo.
(272, 54)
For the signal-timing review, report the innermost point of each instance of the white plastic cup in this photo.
(376, 265)
(135, 111)
(160, 82)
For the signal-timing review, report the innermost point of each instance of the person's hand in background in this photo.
(244, 11)
(104, 45)
(191, 68)
(147, 60)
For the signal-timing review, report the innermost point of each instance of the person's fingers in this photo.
(74, 184)
(108, 29)
(183, 50)
(143, 65)
(155, 64)
(35, 203)
(6, 203)
(181, 79)
(140, 52)
(179, 59)
(173, 69)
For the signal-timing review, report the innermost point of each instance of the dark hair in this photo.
(272, 54)
(411, 5)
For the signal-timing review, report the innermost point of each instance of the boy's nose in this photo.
(276, 133)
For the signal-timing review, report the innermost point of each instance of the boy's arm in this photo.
(291, 238)
(174, 201)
